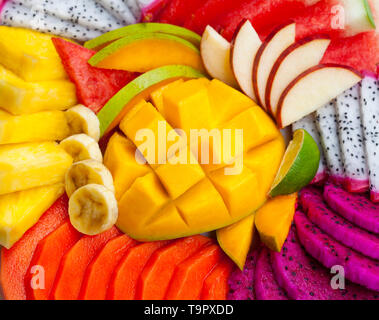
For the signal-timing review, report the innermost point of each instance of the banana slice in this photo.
(82, 147)
(88, 172)
(83, 120)
(93, 209)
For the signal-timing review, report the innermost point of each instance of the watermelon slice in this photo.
(94, 86)
(153, 11)
(177, 11)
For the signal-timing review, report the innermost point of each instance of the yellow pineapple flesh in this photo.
(29, 165)
(19, 211)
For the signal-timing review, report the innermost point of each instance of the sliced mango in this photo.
(157, 95)
(19, 97)
(30, 165)
(147, 51)
(19, 211)
(30, 55)
(274, 219)
(120, 159)
(41, 126)
(237, 239)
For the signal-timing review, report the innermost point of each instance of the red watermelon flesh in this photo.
(94, 86)
(177, 11)
(153, 11)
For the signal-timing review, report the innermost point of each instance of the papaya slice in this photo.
(99, 272)
(70, 274)
(156, 276)
(15, 261)
(48, 254)
(189, 276)
(216, 284)
(123, 284)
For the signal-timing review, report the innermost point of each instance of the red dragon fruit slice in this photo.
(265, 285)
(241, 283)
(370, 117)
(305, 279)
(327, 125)
(356, 208)
(308, 124)
(333, 224)
(118, 9)
(358, 269)
(350, 131)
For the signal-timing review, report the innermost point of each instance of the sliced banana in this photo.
(82, 147)
(88, 172)
(83, 120)
(93, 209)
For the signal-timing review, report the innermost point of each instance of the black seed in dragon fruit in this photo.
(15, 14)
(119, 9)
(308, 124)
(370, 118)
(350, 132)
(327, 125)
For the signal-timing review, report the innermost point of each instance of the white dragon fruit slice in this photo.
(15, 14)
(134, 8)
(350, 132)
(370, 118)
(119, 9)
(327, 125)
(88, 13)
(309, 125)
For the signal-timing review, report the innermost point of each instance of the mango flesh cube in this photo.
(41, 126)
(19, 97)
(19, 211)
(120, 159)
(202, 206)
(274, 220)
(157, 95)
(144, 199)
(30, 55)
(238, 191)
(30, 165)
(226, 102)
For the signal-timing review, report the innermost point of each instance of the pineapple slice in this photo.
(30, 55)
(19, 211)
(41, 126)
(20, 97)
(30, 165)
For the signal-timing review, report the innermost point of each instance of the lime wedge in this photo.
(299, 165)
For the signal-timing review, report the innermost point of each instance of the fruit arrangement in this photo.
(189, 150)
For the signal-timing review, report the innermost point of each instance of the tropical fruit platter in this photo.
(189, 149)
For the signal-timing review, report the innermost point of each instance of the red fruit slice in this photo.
(156, 276)
(209, 13)
(153, 11)
(48, 254)
(189, 276)
(94, 86)
(123, 284)
(15, 261)
(216, 284)
(73, 266)
(99, 272)
(177, 11)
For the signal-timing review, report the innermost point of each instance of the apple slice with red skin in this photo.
(278, 41)
(245, 46)
(312, 89)
(296, 59)
(215, 52)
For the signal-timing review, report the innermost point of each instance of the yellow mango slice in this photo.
(274, 219)
(19, 97)
(30, 165)
(157, 95)
(120, 159)
(41, 126)
(19, 211)
(147, 51)
(238, 191)
(236, 240)
(30, 55)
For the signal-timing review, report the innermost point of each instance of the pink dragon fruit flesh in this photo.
(358, 209)
(333, 224)
(329, 252)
